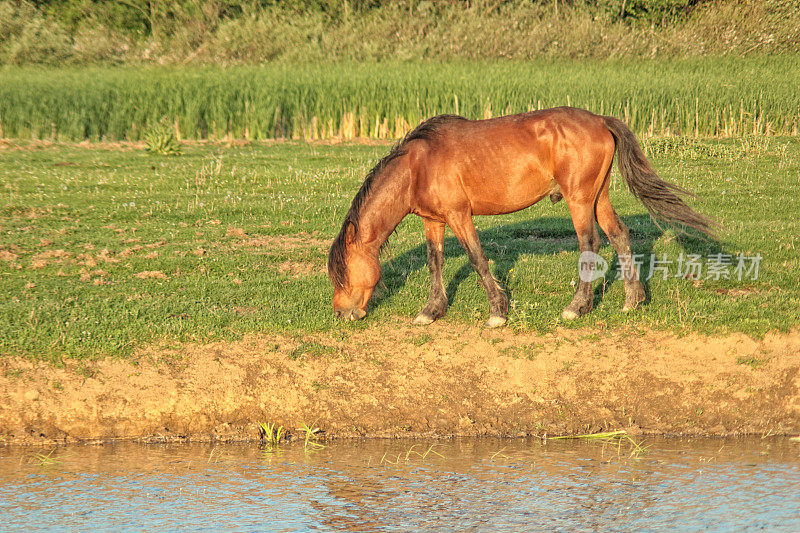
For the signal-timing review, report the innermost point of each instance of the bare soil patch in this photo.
(151, 274)
(392, 380)
(285, 242)
(299, 269)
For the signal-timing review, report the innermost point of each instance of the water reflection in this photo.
(474, 484)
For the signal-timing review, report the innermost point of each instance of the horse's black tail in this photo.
(662, 199)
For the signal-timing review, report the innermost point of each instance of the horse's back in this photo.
(508, 163)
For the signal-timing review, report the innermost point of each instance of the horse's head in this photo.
(354, 271)
(378, 207)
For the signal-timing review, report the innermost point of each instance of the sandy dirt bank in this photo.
(392, 380)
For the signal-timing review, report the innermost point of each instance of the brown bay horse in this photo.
(449, 168)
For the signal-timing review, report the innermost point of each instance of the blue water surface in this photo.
(461, 484)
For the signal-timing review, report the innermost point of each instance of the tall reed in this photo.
(717, 96)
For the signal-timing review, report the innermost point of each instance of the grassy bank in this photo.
(56, 32)
(104, 247)
(709, 96)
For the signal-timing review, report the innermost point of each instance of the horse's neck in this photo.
(386, 206)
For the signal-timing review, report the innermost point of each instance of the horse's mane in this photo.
(337, 265)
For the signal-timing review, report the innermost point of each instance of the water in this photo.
(463, 484)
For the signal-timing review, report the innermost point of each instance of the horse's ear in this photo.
(350, 234)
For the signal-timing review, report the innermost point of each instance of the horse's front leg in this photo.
(437, 300)
(467, 235)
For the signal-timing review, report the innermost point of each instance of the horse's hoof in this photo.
(634, 297)
(566, 314)
(637, 303)
(422, 320)
(495, 322)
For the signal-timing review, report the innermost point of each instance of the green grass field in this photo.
(103, 249)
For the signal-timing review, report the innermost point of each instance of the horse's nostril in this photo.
(349, 314)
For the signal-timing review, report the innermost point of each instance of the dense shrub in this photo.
(257, 31)
(39, 41)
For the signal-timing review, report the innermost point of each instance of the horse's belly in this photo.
(501, 198)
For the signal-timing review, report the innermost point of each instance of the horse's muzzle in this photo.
(350, 314)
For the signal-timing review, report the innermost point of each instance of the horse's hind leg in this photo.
(617, 233)
(437, 300)
(466, 234)
(588, 241)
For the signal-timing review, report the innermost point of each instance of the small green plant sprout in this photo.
(160, 139)
(310, 433)
(423, 455)
(215, 455)
(387, 461)
(500, 453)
(43, 459)
(272, 434)
(409, 454)
(619, 436)
(420, 340)
(752, 361)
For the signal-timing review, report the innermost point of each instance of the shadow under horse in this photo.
(539, 236)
